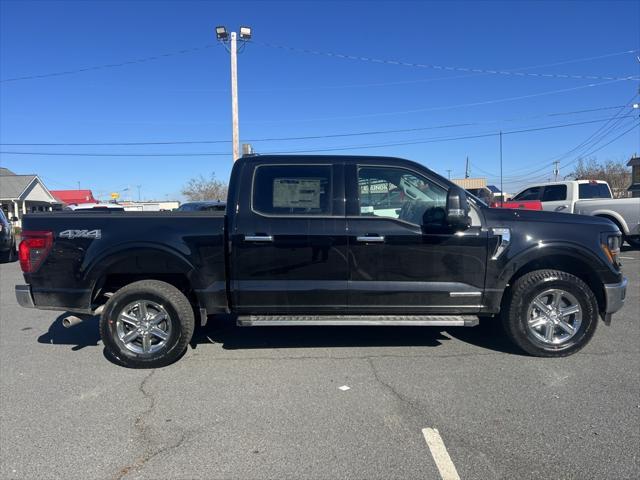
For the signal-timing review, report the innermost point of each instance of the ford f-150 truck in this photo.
(325, 240)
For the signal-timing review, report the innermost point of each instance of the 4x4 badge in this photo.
(71, 234)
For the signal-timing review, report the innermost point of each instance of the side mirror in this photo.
(458, 209)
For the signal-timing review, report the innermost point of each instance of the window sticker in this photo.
(296, 192)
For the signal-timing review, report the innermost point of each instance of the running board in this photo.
(401, 320)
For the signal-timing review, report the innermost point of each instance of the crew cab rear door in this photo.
(402, 259)
(555, 198)
(288, 238)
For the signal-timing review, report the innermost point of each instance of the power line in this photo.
(427, 80)
(519, 181)
(526, 176)
(589, 142)
(440, 108)
(446, 67)
(603, 146)
(348, 147)
(313, 137)
(108, 65)
(74, 154)
(202, 47)
(431, 140)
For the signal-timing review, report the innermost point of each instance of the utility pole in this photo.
(501, 187)
(449, 173)
(138, 187)
(223, 36)
(234, 97)
(467, 173)
(556, 169)
(78, 184)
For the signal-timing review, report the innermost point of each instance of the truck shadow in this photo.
(223, 331)
(86, 334)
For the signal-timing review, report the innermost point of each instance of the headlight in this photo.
(610, 244)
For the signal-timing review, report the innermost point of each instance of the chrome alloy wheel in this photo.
(143, 327)
(554, 317)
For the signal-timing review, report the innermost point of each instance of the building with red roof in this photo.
(71, 197)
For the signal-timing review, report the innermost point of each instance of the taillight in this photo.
(34, 248)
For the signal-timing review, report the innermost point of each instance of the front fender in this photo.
(611, 215)
(569, 256)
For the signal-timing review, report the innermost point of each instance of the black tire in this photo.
(526, 289)
(8, 256)
(179, 324)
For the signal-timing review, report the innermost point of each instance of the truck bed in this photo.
(95, 252)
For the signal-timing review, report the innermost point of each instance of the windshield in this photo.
(476, 200)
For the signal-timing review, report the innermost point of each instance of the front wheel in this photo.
(147, 324)
(550, 313)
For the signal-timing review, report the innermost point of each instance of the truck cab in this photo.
(562, 196)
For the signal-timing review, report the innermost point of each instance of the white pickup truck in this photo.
(588, 197)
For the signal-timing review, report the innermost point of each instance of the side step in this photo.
(404, 320)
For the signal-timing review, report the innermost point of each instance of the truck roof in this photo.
(564, 182)
(315, 158)
(250, 159)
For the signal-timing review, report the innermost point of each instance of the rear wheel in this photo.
(551, 313)
(9, 255)
(147, 324)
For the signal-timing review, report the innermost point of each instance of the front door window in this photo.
(400, 194)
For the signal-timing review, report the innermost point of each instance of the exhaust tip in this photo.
(71, 321)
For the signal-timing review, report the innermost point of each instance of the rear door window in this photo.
(292, 190)
(554, 193)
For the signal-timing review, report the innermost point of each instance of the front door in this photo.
(402, 257)
(289, 247)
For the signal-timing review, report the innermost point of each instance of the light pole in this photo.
(232, 38)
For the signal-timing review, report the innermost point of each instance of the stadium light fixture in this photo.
(245, 33)
(221, 33)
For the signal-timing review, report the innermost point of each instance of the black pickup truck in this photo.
(325, 240)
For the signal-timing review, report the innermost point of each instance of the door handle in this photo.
(371, 238)
(258, 238)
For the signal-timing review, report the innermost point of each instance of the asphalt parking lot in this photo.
(265, 403)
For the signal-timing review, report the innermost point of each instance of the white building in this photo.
(22, 194)
(159, 206)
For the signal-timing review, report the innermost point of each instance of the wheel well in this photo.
(566, 264)
(614, 220)
(111, 282)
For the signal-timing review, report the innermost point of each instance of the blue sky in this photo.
(288, 93)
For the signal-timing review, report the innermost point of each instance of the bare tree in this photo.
(202, 188)
(615, 173)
